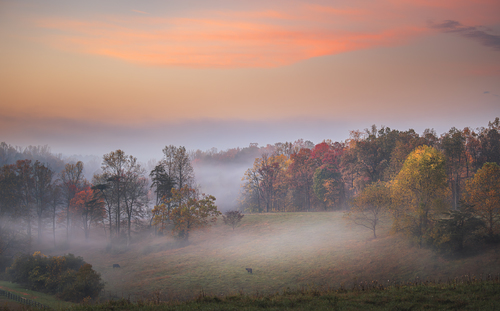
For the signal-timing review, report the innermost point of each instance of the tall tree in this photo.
(10, 209)
(483, 193)
(71, 183)
(42, 185)
(114, 166)
(88, 208)
(192, 213)
(301, 173)
(265, 185)
(55, 201)
(328, 184)
(453, 144)
(135, 195)
(369, 206)
(162, 183)
(419, 191)
(104, 190)
(124, 189)
(24, 172)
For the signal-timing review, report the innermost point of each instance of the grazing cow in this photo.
(115, 265)
(249, 270)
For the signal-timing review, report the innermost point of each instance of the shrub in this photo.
(67, 276)
(76, 286)
(456, 229)
(232, 218)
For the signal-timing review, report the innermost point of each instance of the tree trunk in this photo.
(54, 227)
(39, 240)
(67, 222)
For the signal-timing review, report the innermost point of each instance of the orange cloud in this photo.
(266, 38)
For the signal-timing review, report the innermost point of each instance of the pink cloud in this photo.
(266, 38)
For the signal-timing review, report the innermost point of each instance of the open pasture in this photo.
(285, 250)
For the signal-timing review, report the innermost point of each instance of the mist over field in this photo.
(296, 250)
(326, 215)
(213, 149)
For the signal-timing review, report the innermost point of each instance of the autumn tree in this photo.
(453, 145)
(232, 218)
(88, 208)
(251, 191)
(135, 196)
(104, 190)
(490, 142)
(10, 210)
(370, 205)
(269, 171)
(24, 172)
(328, 184)
(71, 182)
(301, 173)
(55, 202)
(370, 153)
(483, 193)
(406, 142)
(265, 187)
(419, 191)
(123, 187)
(42, 186)
(190, 211)
(177, 166)
(114, 165)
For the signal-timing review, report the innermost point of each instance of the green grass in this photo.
(289, 250)
(475, 295)
(42, 298)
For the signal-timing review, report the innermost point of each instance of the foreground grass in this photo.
(285, 250)
(468, 295)
(42, 298)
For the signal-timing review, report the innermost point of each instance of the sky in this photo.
(90, 77)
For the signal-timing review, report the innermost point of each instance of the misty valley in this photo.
(386, 219)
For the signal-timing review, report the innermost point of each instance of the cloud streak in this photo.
(474, 33)
(137, 11)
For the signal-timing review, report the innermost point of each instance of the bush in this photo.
(232, 218)
(82, 284)
(459, 227)
(69, 277)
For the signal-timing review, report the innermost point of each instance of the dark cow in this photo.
(115, 265)
(249, 270)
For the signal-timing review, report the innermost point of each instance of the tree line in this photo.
(118, 199)
(295, 177)
(426, 182)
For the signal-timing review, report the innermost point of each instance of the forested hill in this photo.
(10, 154)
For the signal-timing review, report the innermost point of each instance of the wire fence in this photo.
(23, 300)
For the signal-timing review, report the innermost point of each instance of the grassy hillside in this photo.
(42, 298)
(292, 250)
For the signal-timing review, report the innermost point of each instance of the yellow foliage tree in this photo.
(483, 193)
(419, 191)
(190, 212)
(369, 206)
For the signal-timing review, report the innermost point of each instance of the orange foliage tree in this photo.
(88, 209)
(483, 192)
